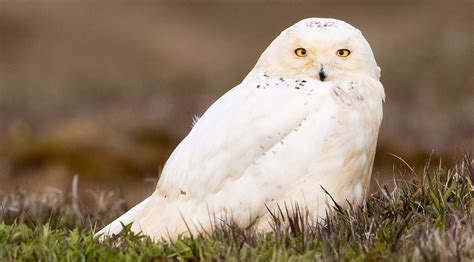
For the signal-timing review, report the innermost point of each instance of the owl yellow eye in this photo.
(343, 52)
(301, 52)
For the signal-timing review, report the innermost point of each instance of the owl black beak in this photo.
(322, 75)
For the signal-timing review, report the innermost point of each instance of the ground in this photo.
(425, 216)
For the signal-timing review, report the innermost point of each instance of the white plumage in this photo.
(299, 120)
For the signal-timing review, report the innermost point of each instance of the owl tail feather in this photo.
(117, 225)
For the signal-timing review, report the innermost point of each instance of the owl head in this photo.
(321, 48)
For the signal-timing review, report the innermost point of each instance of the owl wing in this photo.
(237, 130)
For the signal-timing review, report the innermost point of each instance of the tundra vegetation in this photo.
(424, 215)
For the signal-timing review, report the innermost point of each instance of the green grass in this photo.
(427, 216)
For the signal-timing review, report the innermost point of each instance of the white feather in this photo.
(117, 225)
(195, 120)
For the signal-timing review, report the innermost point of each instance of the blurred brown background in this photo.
(106, 89)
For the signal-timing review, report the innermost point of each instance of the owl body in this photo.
(278, 138)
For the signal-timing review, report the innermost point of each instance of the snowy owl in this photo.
(305, 118)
